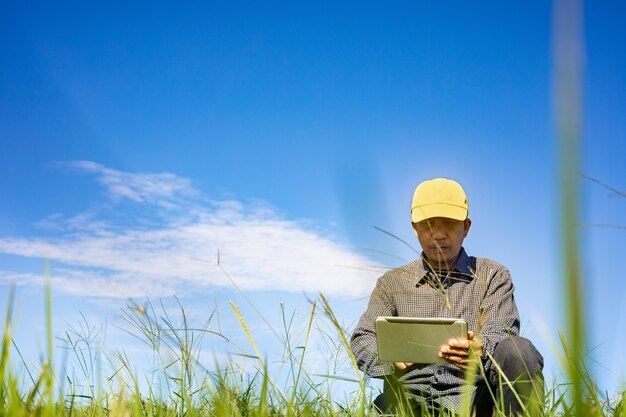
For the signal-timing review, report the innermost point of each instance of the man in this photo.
(446, 282)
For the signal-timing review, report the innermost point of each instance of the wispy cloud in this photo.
(138, 187)
(103, 253)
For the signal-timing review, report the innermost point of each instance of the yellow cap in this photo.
(439, 197)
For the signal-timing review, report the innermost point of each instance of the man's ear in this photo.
(467, 224)
(414, 228)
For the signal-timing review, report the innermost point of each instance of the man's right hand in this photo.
(402, 366)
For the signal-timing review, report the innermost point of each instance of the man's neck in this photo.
(442, 269)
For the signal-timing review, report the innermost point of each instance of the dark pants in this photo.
(521, 364)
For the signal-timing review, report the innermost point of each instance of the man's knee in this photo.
(522, 364)
(517, 356)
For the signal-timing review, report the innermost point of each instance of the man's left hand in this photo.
(464, 353)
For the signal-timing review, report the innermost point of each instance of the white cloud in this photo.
(99, 256)
(149, 188)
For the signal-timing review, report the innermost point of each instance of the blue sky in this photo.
(133, 136)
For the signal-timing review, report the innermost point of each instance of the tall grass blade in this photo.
(244, 325)
(262, 410)
(342, 336)
(506, 381)
(399, 239)
(48, 366)
(306, 340)
(568, 77)
(6, 342)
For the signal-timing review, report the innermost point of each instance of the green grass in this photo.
(105, 383)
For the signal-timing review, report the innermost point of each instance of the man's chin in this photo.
(439, 256)
(439, 260)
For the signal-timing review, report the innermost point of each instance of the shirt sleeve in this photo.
(363, 340)
(498, 315)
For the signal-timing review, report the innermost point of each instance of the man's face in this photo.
(441, 239)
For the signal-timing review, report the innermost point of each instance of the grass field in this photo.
(181, 385)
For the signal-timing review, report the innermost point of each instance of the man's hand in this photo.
(402, 366)
(464, 353)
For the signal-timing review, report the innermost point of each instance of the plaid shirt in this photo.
(478, 290)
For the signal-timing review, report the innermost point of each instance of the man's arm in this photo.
(498, 319)
(498, 315)
(363, 341)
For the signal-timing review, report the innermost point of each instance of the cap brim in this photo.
(438, 210)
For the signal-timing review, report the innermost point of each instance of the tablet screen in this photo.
(416, 340)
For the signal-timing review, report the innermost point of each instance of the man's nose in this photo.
(437, 232)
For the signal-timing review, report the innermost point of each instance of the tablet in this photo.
(416, 340)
